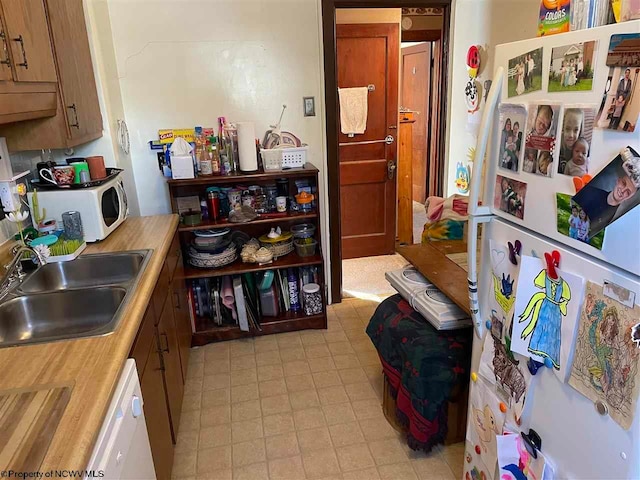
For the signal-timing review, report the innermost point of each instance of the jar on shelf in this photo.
(312, 299)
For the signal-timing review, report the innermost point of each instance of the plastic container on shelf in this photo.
(304, 248)
(274, 159)
(303, 230)
(312, 299)
(269, 302)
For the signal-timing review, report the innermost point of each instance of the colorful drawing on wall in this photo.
(525, 73)
(546, 314)
(513, 123)
(509, 196)
(504, 274)
(613, 192)
(575, 140)
(500, 367)
(574, 222)
(571, 67)
(621, 108)
(486, 422)
(515, 462)
(605, 364)
(540, 142)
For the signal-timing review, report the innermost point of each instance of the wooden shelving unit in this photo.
(205, 331)
(237, 267)
(262, 219)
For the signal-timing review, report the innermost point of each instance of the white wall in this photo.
(182, 63)
(486, 23)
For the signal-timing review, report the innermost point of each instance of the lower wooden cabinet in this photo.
(161, 352)
(168, 338)
(181, 316)
(156, 413)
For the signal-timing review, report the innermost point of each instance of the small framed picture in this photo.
(309, 106)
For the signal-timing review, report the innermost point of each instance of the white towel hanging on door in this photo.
(353, 110)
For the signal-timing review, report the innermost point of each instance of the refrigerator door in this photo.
(622, 236)
(578, 441)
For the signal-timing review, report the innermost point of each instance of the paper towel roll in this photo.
(247, 146)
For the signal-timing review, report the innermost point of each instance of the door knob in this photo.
(391, 169)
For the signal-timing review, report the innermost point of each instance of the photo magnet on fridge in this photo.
(575, 140)
(509, 196)
(525, 73)
(620, 107)
(574, 222)
(540, 143)
(513, 119)
(624, 50)
(612, 192)
(571, 67)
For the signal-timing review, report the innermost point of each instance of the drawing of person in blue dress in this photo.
(546, 310)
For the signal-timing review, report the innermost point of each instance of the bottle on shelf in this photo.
(294, 296)
(200, 150)
(214, 155)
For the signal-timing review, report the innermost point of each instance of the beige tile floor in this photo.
(294, 406)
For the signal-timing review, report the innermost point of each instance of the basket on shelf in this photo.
(210, 260)
(278, 158)
(279, 246)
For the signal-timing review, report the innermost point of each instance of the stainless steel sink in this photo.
(81, 298)
(57, 315)
(85, 271)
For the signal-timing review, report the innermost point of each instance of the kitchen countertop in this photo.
(92, 366)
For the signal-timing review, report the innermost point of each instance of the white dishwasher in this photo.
(122, 450)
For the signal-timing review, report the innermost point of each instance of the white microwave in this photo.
(102, 208)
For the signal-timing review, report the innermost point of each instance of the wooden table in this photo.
(431, 260)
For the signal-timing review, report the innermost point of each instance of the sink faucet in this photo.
(14, 274)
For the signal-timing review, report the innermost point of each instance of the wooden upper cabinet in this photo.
(76, 116)
(75, 69)
(28, 38)
(5, 59)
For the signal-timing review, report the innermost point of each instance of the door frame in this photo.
(332, 115)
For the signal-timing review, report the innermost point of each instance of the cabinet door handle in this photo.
(176, 296)
(164, 349)
(76, 123)
(24, 64)
(6, 60)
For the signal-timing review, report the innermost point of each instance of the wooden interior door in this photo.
(368, 54)
(416, 86)
(434, 165)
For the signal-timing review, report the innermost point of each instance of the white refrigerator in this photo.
(580, 437)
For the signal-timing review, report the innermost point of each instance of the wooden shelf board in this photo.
(260, 220)
(307, 170)
(284, 323)
(288, 261)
